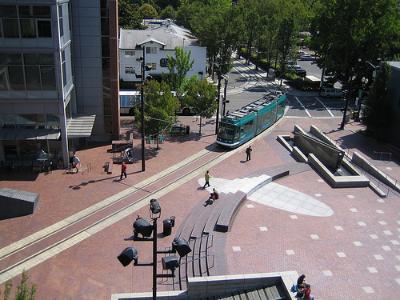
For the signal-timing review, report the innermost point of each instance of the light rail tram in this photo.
(241, 125)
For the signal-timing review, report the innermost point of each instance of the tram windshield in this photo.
(227, 132)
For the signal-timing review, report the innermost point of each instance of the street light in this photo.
(364, 83)
(226, 77)
(143, 69)
(346, 99)
(143, 227)
(218, 97)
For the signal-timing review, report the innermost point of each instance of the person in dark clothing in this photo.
(123, 170)
(248, 153)
(213, 197)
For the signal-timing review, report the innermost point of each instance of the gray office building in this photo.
(58, 77)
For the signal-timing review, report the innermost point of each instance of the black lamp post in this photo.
(143, 227)
(225, 101)
(143, 69)
(218, 97)
(364, 82)
(346, 105)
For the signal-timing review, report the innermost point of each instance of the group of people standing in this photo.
(302, 289)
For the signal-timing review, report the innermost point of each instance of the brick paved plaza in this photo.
(353, 253)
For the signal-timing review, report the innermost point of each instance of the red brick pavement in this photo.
(90, 269)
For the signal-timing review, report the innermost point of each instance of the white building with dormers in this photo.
(160, 40)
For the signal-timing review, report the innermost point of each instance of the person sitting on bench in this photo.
(213, 196)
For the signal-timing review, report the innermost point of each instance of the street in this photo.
(246, 85)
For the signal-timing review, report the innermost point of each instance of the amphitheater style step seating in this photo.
(199, 226)
(268, 293)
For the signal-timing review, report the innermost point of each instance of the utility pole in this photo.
(224, 101)
(346, 99)
(142, 109)
(219, 92)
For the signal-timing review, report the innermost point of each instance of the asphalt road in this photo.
(245, 85)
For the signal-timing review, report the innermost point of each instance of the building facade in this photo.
(160, 40)
(58, 77)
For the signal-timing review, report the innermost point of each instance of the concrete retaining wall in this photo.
(283, 140)
(337, 181)
(364, 164)
(298, 155)
(323, 137)
(218, 286)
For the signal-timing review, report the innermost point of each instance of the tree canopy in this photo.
(160, 107)
(346, 32)
(200, 96)
(147, 11)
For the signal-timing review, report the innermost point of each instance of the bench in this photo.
(231, 205)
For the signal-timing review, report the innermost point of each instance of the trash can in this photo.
(167, 226)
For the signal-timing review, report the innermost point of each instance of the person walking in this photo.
(207, 179)
(123, 170)
(76, 162)
(248, 153)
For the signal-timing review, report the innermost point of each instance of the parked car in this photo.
(307, 57)
(297, 69)
(331, 92)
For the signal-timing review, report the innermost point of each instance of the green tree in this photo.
(24, 291)
(147, 11)
(178, 67)
(159, 110)
(129, 16)
(345, 31)
(201, 97)
(168, 13)
(379, 114)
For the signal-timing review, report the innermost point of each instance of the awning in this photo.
(80, 126)
(21, 134)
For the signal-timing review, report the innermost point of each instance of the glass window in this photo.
(46, 59)
(129, 52)
(42, 11)
(10, 28)
(63, 66)
(31, 59)
(163, 62)
(60, 20)
(16, 78)
(129, 70)
(10, 59)
(3, 79)
(52, 122)
(25, 11)
(47, 75)
(44, 28)
(32, 77)
(8, 11)
(28, 29)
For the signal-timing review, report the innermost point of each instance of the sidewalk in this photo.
(359, 241)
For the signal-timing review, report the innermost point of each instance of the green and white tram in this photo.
(240, 126)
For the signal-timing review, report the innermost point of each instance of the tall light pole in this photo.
(142, 109)
(346, 105)
(225, 101)
(144, 68)
(218, 97)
